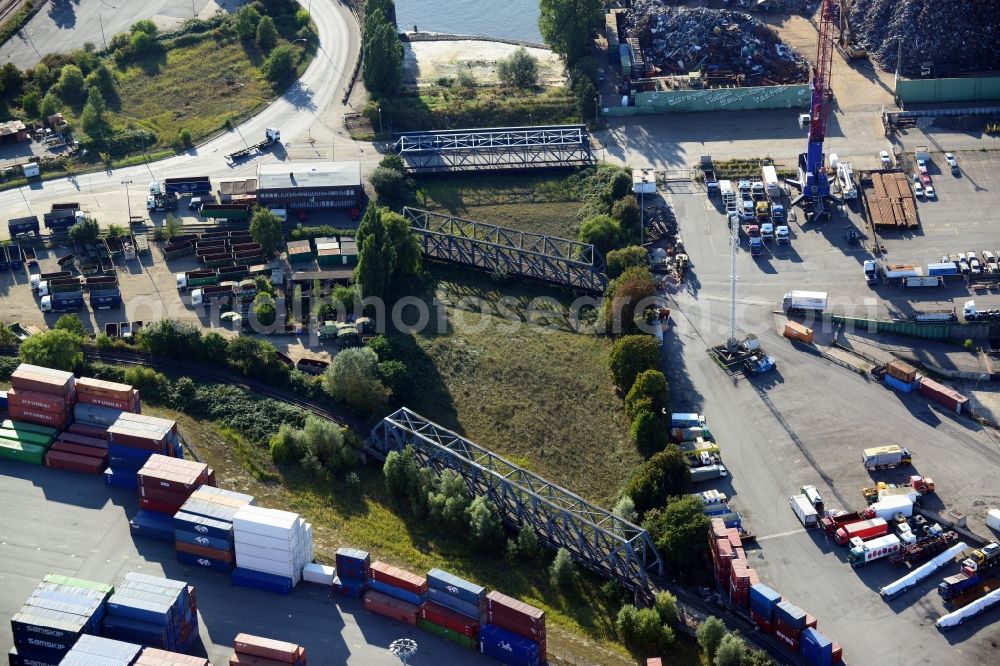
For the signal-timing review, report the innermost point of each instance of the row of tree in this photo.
(382, 63)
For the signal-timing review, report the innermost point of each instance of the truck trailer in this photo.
(271, 136)
(884, 457)
(978, 589)
(188, 185)
(804, 510)
(67, 301)
(830, 523)
(212, 293)
(804, 301)
(707, 473)
(890, 506)
(866, 529)
(971, 609)
(863, 552)
(105, 299)
(197, 278)
(37, 278)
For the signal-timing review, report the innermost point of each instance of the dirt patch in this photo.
(424, 63)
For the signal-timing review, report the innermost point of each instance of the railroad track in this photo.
(6, 8)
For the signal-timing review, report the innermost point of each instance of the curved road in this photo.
(310, 108)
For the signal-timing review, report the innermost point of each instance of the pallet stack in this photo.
(257, 651)
(157, 657)
(92, 650)
(153, 612)
(271, 547)
(453, 609)
(353, 572)
(516, 624)
(52, 620)
(41, 395)
(166, 483)
(395, 593)
(98, 392)
(26, 442)
(203, 528)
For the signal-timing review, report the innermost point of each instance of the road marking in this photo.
(775, 536)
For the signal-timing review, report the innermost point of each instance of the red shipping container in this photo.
(74, 463)
(162, 495)
(396, 577)
(654, 661)
(790, 641)
(89, 431)
(941, 394)
(210, 481)
(445, 617)
(18, 413)
(211, 553)
(528, 615)
(160, 507)
(250, 660)
(383, 604)
(762, 622)
(516, 626)
(77, 449)
(99, 387)
(156, 657)
(838, 653)
(84, 440)
(733, 535)
(53, 382)
(785, 629)
(265, 647)
(810, 621)
(37, 400)
(137, 440)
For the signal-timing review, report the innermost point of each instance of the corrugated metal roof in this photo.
(286, 175)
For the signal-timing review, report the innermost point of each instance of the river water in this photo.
(510, 19)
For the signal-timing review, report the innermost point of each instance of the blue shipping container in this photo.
(507, 647)
(130, 452)
(144, 607)
(815, 647)
(204, 562)
(128, 629)
(23, 655)
(731, 519)
(4, 260)
(452, 585)
(200, 525)
(96, 415)
(47, 629)
(947, 268)
(395, 592)
(261, 581)
(763, 600)
(196, 539)
(349, 587)
(793, 616)
(3, 400)
(900, 386)
(122, 479)
(152, 525)
(353, 563)
(443, 598)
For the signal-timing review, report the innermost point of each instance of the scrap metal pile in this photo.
(954, 36)
(726, 46)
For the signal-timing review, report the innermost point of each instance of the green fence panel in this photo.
(930, 91)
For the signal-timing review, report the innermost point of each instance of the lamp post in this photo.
(128, 201)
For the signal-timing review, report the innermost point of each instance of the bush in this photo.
(643, 631)
(630, 355)
(353, 378)
(620, 260)
(484, 525)
(519, 69)
(391, 186)
(665, 474)
(650, 391)
(709, 634)
(85, 231)
(71, 86)
(730, 651)
(648, 433)
(625, 509)
(563, 571)
(280, 64)
(73, 324)
(601, 231)
(627, 298)
(152, 385)
(525, 546)
(267, 34)
(666, 606)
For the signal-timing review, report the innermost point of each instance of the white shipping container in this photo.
(318, 573)
(288, 569)
(805, 511)
(993, 519)
(890, 506)
(264, 553)
(266, 522)
(261, 541)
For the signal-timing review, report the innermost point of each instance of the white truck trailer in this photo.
(804, 510)
(863, 552)
(804, 301)
(889, 507)
(882, 457)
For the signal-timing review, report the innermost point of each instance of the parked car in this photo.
(969, 256)
(952, 162)
(963, 266)
(886, 160)
(929, 191)
(992, 268)
(975, 267)
(922, 167)
(918, 189)
(989, 257)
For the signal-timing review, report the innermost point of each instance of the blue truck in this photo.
(16, 257)
(63, 301)
(61, 219)
(23, 225)
(105, 299)
(189, 185)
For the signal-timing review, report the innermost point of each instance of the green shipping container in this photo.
(59, 579)
(29, 453)
(448, 634)
(26, 437)
(29, 427)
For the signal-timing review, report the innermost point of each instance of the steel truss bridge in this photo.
(494, 249)
(597, 538)
(495, 148)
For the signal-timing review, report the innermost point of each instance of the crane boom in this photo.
(813, 177)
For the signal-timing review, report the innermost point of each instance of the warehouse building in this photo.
(309, 185)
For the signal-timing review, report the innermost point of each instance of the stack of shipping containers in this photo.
(453, 609)
(203, 528)
(353, 572)
(153, 612)
(165, 483)
(58, 613)
(732, 571)
(900, 376)
(91, 650)
(79, 452)
(41, 395)
(107, 394)
(156, 657)
(763, 601)
(257, 651)
(395, 593)
(271, 547)
(514, 631)
(27, 442)
(789, 621)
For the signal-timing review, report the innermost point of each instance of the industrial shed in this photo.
(309, 185)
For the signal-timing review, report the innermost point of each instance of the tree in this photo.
(449, 501)
(756, 658)
(184, 393)
(396, 377)
(563, 571)
(287, 445)
(394, 163)
(142, 42)
(665, 474)
(245, 21)
(30, 103)
(57, 349)
(625, 509)
(175, 339)
(484, 525)
(587, 100)
(666, 607)
(519, 69)
(70, 87)
(92, 117)
(280, 64)
(267, 34)
(408, 258)
(391, 186)
(710, 634)
(172, 226)
(73, 324)
(525, 547)
(648, 433)
(649, 390)
(263, 309)
(7, 337)
(11, 79)
(353, 379)
(381, 69)
(376, 255)
(626, 298)
(601, 231)
(84, 231)
(265, 228)
(626, 257)
(730, 651)
(567, 26)
(255, 358)
(50, 105)
(631, 355)
(103, 79)
(145, 26)
(642, 630)
(627, 213)
(407, 482)
(679, 532)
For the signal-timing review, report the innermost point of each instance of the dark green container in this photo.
(448, 634)
(29, 427)
(22, 452)
(26, 437)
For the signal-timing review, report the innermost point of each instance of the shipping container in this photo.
(943, 395)
(516, 616)
(509, 648)
(790, 615)
(390, 607)
(763, 601)
(896, 384)
(446, 617)
(447, 634)
(400, 578)
(902, 371)
(796, 331)
(266, 648)
(866, 529)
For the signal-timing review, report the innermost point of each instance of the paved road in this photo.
(68, 523)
